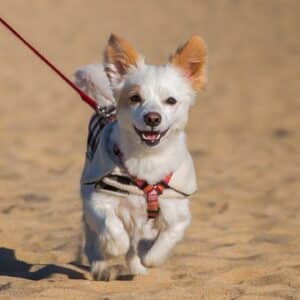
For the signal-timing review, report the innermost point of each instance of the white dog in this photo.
(138, 172)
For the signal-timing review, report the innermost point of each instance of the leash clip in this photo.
(107, 112)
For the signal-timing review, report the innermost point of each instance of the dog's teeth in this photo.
(150, 137)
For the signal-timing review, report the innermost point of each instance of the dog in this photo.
(138, 173)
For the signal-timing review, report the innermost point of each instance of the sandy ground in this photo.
(244, 242)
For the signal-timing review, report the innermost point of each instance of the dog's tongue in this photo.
(151, 136)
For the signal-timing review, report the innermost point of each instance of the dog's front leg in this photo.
(134, 262)
(132, 257)
(106, 236)
(135, 227)
(176, 214)
(98, 258)
(93, 252)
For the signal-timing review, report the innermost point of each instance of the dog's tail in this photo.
(94, 82)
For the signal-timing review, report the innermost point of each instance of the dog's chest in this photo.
(107, 173)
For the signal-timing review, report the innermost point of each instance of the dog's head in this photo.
(153, 101)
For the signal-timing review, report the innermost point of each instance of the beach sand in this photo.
(244, 241)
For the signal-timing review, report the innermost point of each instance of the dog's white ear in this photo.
(119, 57)
(191, 58)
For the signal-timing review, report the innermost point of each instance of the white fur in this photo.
(115, 225)
(92, 80)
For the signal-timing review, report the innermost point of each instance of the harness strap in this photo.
(152, 191)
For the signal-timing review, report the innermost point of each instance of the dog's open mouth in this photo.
(150, 138)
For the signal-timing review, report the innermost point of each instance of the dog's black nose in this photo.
(152, 119)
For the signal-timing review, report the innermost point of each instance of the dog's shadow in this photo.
(11, 266)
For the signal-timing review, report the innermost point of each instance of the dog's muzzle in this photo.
(152, 137)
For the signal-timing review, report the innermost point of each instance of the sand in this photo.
(244, 242)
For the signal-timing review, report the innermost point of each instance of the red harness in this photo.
(152, 191)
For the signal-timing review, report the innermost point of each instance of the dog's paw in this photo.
(152, 261)
(140, 270)
(136, 268)
(107, 274)
(97, 268)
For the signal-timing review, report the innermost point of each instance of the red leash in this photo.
(91, 102)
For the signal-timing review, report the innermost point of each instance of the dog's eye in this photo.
(171, 101)
(135, 99)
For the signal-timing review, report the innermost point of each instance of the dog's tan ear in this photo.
(119, 57)
(191, 58)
